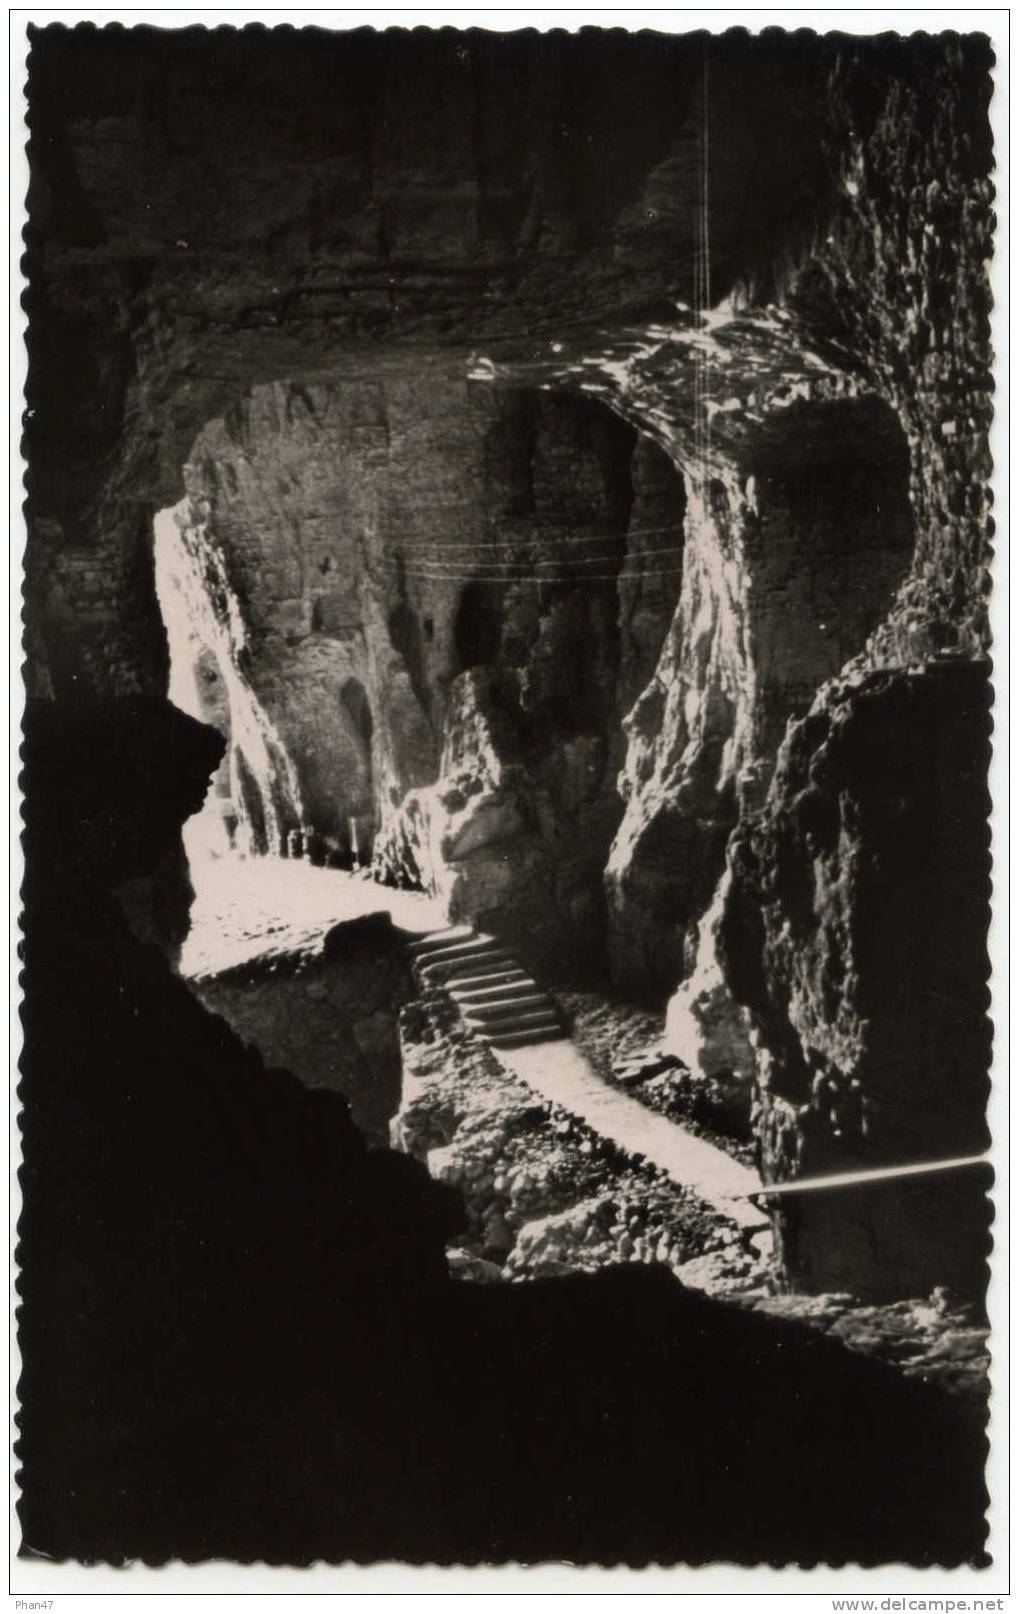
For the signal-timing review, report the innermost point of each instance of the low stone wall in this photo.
(331, 1018)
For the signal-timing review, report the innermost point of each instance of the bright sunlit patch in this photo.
(247, 905)
(260, 805)
(264, 907)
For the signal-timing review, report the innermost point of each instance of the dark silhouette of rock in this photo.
(239, 1341)
(178, 1194)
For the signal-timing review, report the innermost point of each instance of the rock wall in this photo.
(899, 1072)
(787, 408)
(855, 932)
(544, 1194)
(793, 552)
(902, 274)
(388, 545)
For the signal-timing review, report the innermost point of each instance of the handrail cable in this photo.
(530, 577)
(395, 558)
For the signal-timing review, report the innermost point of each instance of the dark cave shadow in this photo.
(239, 1339)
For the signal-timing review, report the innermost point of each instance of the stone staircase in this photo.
(496, 998)
(506, 1007)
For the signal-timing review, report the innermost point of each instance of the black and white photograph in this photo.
(506, 1052)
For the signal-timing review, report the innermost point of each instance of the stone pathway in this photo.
(520, 1022)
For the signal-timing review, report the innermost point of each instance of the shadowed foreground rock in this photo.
(239, 1339)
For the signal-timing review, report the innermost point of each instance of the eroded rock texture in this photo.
(791, 559)
(239, 1338)
(211, 213)
(854, 930)
(387, 546)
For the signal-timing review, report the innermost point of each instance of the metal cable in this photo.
(397, 560)
(581, 538)
(530, 577)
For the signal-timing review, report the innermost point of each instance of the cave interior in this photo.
(577, 529)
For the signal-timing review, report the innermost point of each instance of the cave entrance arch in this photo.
(533, 535)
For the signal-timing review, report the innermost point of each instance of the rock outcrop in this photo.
(854, 932)
(545, 1196)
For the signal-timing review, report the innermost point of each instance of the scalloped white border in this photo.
(719, 1587)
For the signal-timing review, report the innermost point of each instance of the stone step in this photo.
(513, 1020)
(478, 957)
(504, 992)
(491, 975)
(525, 1039)
(462, 949)
(458, 965)
(508, 995)
(446, 969)
(505, 1007)
(440, 938)
(498, 1000)
(445, 933)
